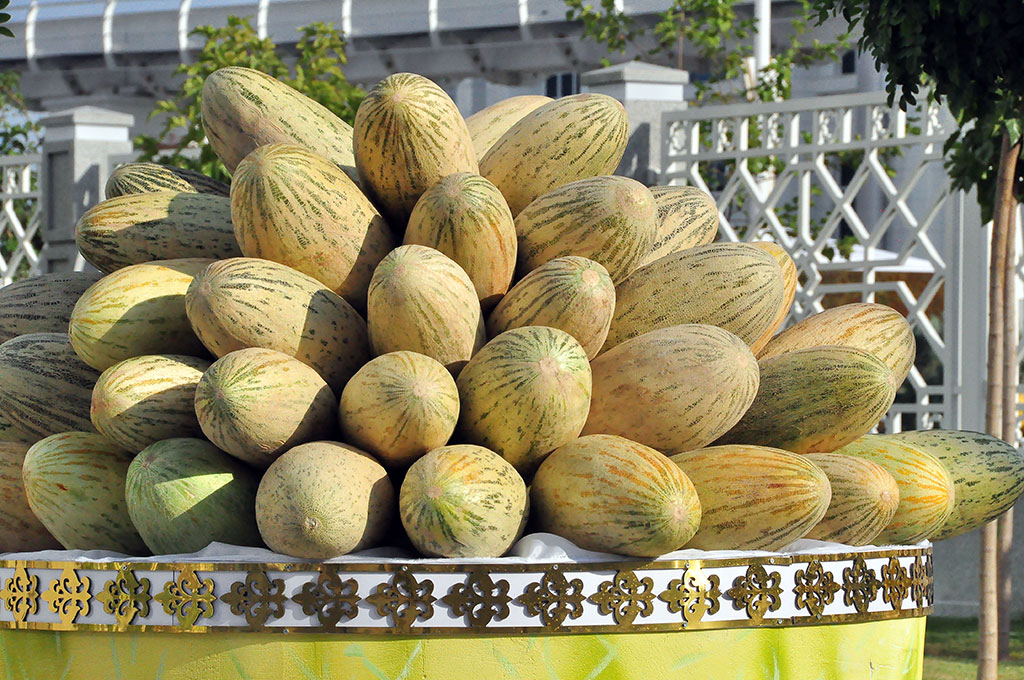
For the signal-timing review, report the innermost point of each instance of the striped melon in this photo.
(864, 499)
(524, 394)
(609, 494)
(246, 302)
(572, 294)
(927, 494)
(143, 400)
(244, 109)
(143, 178)
(422, 301)
(294, 207)
(399, 406)
(408, 136)
(488, 125)
(465, 217)
(9, 432)
(754, 497)
(790, 278)
(687, 218)
(134, 311)
(730, 285)
(462, 501)
(874, 328)
(158, 226)
(673, 389)
(571, 138)
(20, 530)
(183, 494)
(44, 387)
(41, 304)
(324, 499)
(611, 220)
(74, 482)
(816, 400)
(257, 403)
(987, 474)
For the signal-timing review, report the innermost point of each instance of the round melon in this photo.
(465, 217)
(462, 501)
(20, 530)
(422, 301)
(673, 389)
(258, 403)
(687, 218)
(324, 499)
(524, 394)
(408, 135)
(609, 494)
(790, 279)
(864, 499)
(184, 494)
(754, 497)
(399, 406)
(143, 400)
(572, 294)
(144, 178)
(75, 484)
(488, 125)
(41, 304)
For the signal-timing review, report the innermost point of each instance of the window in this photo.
(562, 84)
(850, 62)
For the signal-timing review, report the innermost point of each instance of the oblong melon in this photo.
(524, 394)
(572, 294)
(324, 499)
(183, 494)
(41, 304)
(291, 206)
(987, 474)
(754, 497)
(816, 400)
(874, 328)
(44, 387)
(246, 302)
(74, 482)
(408, 135)
(927, 494)
(257, 403)
(486, 126)
(143, 400)
(734, 286)
(790, 278)
(143, 178)
(571, 138)
(134, 311)
(422, 301)
(610, 220)
(462, 501)
(673, 389)
(864, 499)
(9, 432)
(465, 217)
(687, 218)
(20, 530)
(399, 406)
(610, 494)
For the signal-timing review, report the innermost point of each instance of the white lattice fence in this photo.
(19, 219)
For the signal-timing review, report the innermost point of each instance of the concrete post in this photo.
(77, 148)
(646, 90)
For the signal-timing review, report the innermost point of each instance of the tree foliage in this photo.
(4, 18)
(19, 132)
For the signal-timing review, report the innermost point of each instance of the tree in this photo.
(317, 74)
(4, 18)
(967, 53)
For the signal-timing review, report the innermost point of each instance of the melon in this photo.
(257, 403)
(524, 394)
(687, 218)
(488, 125)
(9, 432)
(324, 499)
(20, 530)
(673, 389)
(462, 501)
(609, 494)
(144, 178)
(183, 494)
(399, 406)
(143, 400)
(41, 304)
(754, 497)
(864, 499)
(790, 279)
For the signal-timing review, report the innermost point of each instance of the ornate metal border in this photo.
(496, 598)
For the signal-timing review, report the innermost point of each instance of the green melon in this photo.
(687, 218)
(144, 178)
(41, 304)
(864, 499)
(790, 279)
(20, 530)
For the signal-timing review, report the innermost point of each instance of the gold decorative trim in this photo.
(553, 598)
(757, 591)
(21, 594)
(188, 597)
(257, 598)
(815, 588)
(695, 594)
(404, 599)
(480, 600)
(68, 596)
(329, 597)
(625, 597)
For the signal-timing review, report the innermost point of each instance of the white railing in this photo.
(20, 203)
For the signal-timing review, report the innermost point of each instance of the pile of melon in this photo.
(438, 334)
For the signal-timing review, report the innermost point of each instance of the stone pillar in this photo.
(78, 149)
(646, 90)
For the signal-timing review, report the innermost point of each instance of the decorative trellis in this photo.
(20, 240)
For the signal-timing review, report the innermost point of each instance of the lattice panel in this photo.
(20, 240)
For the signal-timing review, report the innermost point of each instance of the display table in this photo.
(548, 611)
